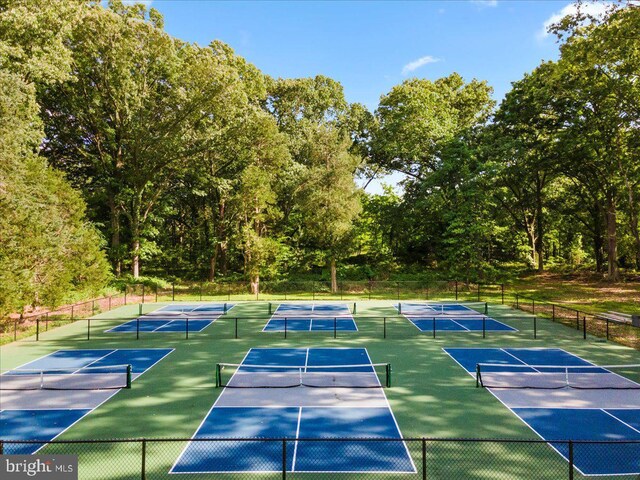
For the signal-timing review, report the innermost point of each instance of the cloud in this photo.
(486, 3)
(420, 62)
(593, 9)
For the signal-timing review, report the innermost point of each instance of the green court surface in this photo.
(430, 396)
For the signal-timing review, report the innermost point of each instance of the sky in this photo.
(370, 46)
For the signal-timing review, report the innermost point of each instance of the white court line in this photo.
(519, 359)
(295, 447)
(452, 320)
(620, 420)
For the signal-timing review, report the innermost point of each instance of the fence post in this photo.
(384, 327)
(424, 459)
(37, 329)
(186, 328)
(284, 459)
(535, 328)
(517, 301)
(88, 329)
(434, 326)
(143, 467)
(570, 460)
(236, 328)
(584, 327)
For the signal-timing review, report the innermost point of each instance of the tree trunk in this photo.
(212, 265)
(334, 275)
(612, 246)
(531, 234)
(135, 241)
(255, 284)
(539, 242)
(115, 236)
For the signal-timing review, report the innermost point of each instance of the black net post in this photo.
(37, 329)
(384, 327)
(138, 328)
(143, 466)
(477, 375)
(236, 326)
(335, 327)
(270, 308)
(1, 447)
(186, 328)
(424, 459)
(355, 308)
(285, 327)
(128, 385)
(399, 308)
(570, 460)
(88, 329)
(284, 459)
(484, 327)
(388, 375)
(584, 327)
(607, 322)
(218, 376)
(434, 326)
(486, 308)
(535, 328)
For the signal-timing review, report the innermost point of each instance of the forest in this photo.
(133, 153)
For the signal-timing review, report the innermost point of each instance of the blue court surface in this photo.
(566, 414)
(175, 318)
(313, 309)
(19, 420)
(310, 324)
(430, 309)
(233, 416)
(459, 324)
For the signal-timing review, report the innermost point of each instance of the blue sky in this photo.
(370, 46)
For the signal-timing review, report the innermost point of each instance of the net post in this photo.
(384, 327)
(218, 376)
(128, 376)
(535, 328)
(584, 327)
(355, 309)
(477, 375)
(1, 447)
(484, 327)
(335, 327)
(236, 326)
(424, 459)
(285, 327)
(224, 308)
(570, 460)
(388, 375)
(138, 328)
(399, 308)
(186, 328)
(88, 329)
(270, 309)
(284, 459)
(37, 329)
(433, 320)
(486, 308)
(143, 467)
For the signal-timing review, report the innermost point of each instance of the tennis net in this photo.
(87, 378)
(453, 309)
(276, 376)
(550, 377)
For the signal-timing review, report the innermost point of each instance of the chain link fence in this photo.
(341, 458)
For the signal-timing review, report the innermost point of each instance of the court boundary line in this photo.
(310, 319)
